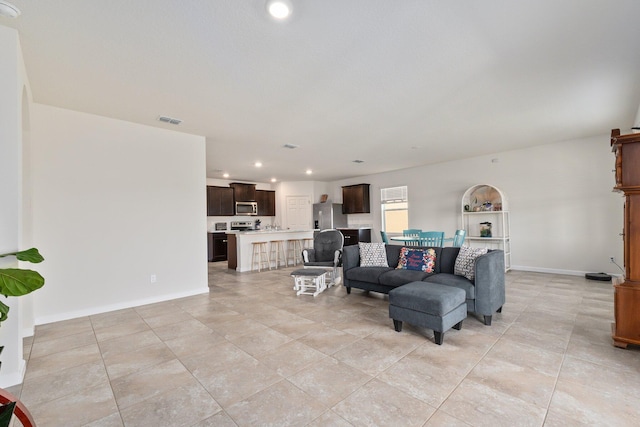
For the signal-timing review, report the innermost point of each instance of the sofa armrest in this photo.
(489, 282)
(350, 257)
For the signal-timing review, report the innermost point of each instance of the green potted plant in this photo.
(15, 282)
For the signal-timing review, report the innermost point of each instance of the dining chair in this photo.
(414, 236)
(431, 238)
(385, 239)
(458, 238)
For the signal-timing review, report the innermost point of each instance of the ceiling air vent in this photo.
(291, 146)
(358, 161)
(170, 120)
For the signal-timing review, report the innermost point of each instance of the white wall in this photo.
(113, 203)
(12, 87)
(564, 215)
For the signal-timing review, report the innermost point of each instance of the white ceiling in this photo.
(396, 83)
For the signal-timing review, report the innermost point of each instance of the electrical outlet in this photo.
(154, 279)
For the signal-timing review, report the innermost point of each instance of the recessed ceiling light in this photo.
(273, 180)
(309, 172)
(258, 164)
(8, 10)
(279, 9)
(225, 175)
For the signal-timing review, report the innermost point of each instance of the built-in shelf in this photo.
(481, 204)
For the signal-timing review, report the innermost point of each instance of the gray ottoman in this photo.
(428, 305)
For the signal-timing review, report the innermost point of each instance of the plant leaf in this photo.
(6, 411)
(4, 310)
(15, 282)
(30, 255)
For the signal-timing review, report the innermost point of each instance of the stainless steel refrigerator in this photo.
(328, 215)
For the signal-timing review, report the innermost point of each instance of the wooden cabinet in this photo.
(220, 201)
(352, 236)
(266, 200)
(626, 329)
(216, 247)
(355, 199)
(243, 192)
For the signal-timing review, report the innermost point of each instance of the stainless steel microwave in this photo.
(246, 208)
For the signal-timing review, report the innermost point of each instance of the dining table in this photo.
(414, 240)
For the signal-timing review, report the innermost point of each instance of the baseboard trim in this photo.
(119, 306)
(554, 271)
(13, 378)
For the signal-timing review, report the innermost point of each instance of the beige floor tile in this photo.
(121, 329)
(329, 418)
(61, 329)
(45, 365)
(114, 318)
(176, 330)
(258, 343)
(291, 357)
(128, 343)
(442, 419)
(150, 382)
(77, 409)
(377, 403)
(62, 343)
(169, 318)
(607, 379)
(38, 390)
(238, 381)
(480, 406)
(198, 342)
(328, 340)
(120, 364)
(279, 405)
(219, 358)
(181, 406)
(113, 420)
(574, 405)
(221, 419)
(237, 327)
(329, 381)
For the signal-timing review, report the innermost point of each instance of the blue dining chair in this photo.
(385, 239)
(458, 238)
(431, 238)
(413, 235)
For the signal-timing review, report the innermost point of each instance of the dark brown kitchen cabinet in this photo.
(352, 236)
(220, 201)
(266, 200)
(217, 246)
(355, 199)
(243, 192)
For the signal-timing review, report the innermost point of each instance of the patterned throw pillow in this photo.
(466, 261)
(417, 259)
(373, 255)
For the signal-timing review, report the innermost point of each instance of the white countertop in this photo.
(265, 231)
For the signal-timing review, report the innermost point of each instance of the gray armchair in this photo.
(326, 253)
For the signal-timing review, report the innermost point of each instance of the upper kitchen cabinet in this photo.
(220, 201)
(243, 192)
(355, 199)
(266, 200)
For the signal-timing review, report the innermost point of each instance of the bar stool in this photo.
(259, 254)
(277, 253)
(294, 251)
(307, 243)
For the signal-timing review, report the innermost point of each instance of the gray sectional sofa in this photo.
(484, 296)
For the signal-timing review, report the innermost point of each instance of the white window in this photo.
(395, 209)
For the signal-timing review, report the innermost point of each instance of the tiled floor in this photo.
(251, 353)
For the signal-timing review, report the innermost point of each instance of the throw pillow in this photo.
(373, 255)
(466, 261)
(417, 259)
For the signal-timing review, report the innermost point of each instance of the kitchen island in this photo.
(239, 246)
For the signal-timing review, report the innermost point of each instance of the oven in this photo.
(242, 225)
